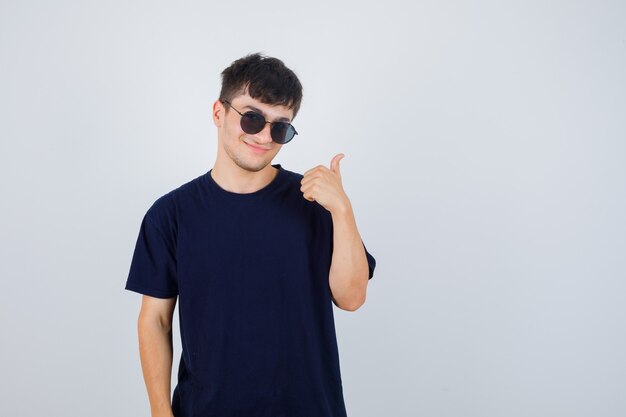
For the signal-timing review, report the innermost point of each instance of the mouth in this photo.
(257, 149)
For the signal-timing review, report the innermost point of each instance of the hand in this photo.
(324, 186)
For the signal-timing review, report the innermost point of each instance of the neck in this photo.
(235, 179)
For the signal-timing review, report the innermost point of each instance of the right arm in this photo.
(155, 348)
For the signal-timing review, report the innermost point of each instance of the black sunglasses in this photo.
(253, 122)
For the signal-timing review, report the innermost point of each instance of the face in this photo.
(251, 152)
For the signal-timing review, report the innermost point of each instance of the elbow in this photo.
(353, 305)
(352, 308)
(350, 298)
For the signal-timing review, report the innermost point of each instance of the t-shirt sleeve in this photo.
(153, 266)
(371, 262)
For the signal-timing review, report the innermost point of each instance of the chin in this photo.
(253, 167)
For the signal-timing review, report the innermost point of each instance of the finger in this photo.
(311, 177)
(314, 168)
(307, 196)
(334, 164)
(306, 188)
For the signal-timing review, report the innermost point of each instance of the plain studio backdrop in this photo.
(485, 149)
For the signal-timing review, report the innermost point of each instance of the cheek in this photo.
(232, 129)
(235, 135)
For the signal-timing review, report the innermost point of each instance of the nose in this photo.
(265, 135)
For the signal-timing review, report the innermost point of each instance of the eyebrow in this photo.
(280, 119)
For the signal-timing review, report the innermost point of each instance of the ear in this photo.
(218, 113)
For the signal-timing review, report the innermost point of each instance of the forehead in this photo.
(271, 112)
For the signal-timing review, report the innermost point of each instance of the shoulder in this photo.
(163, 212)
(294, 181)
(291, 176)
(291, 182)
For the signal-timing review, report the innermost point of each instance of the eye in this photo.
(281, 127)
(252, 122)
(253, 116)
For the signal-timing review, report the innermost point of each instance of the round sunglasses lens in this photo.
(282, 132)
(252, 122)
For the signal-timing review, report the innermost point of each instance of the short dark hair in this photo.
(264, 78)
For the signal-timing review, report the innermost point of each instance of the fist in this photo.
(323, 185)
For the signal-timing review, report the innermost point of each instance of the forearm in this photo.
(156, 350)
(349, 271)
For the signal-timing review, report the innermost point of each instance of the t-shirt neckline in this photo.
(214, 186)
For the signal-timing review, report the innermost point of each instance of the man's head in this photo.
(263, 78)
(262, 85)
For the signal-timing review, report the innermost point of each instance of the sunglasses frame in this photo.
(272, 124)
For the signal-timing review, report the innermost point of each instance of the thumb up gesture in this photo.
(323, 185)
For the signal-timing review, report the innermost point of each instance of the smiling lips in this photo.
(256, 148)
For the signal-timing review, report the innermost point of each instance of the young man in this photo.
(256, 255)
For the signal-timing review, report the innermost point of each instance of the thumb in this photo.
(334, 164)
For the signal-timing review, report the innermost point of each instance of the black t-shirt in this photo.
(255, 310)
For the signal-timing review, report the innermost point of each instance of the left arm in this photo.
(349, 270)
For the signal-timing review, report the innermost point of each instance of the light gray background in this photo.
(485, 160)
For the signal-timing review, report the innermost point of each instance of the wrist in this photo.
(342, 209)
